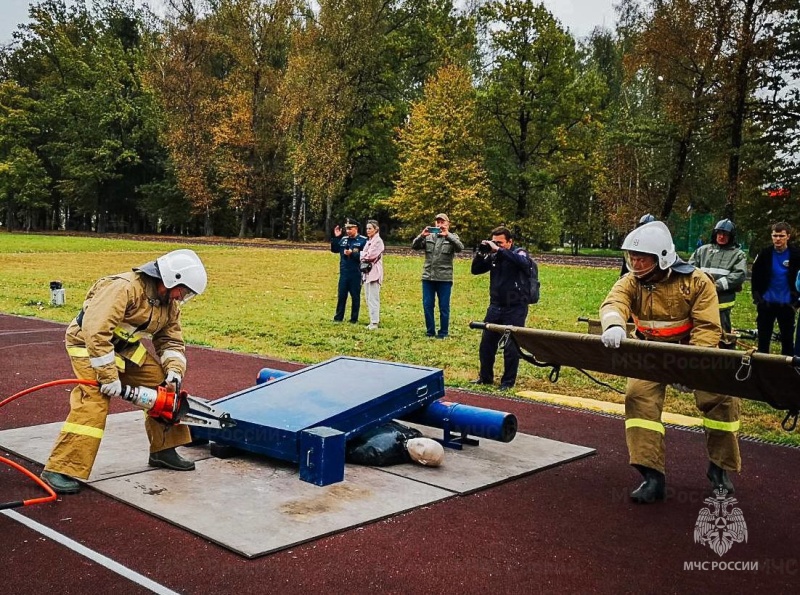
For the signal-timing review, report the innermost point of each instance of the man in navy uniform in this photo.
(349, 246)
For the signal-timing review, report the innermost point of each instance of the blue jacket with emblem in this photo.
(349, 263)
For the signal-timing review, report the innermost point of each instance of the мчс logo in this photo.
(721, 524)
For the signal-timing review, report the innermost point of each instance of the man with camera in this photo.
(440, 245)
(510, 292)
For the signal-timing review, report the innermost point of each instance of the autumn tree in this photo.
(249, 150)
(183, 77)
(441, 159)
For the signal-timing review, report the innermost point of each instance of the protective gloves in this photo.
(612, 336)
(112, 389)
(174, 378)
(682, 388)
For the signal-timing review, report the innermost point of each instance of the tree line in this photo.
(277, 118)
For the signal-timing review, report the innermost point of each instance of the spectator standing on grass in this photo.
(373, 256)
(510, 270)
(726, 263)
(773, 288)
(349, 246)
(440, 246)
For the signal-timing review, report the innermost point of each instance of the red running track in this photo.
(569, 529)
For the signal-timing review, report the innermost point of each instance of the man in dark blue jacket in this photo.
(510, 270)
(349, 246)
(773, 288)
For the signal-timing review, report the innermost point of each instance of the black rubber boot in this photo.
(652, 489)
(170, 459)
(719, 478)
(61, 484)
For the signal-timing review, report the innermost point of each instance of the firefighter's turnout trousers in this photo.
(77, 444)
(644, 431)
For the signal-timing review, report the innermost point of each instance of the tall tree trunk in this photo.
(738, 112)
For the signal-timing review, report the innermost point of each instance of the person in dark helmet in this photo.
(647, 295)
(104, 344)
(727, 265)
(348, 246)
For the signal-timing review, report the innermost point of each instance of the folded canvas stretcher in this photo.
(772, 379)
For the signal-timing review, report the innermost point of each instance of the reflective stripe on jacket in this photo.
(679, 307)
(126, 305)
(667, 330)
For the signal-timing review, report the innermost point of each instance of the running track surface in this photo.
(570, 529)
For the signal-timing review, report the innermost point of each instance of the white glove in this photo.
(112, 389)
(174, 378)
(612, 336)
(682, 388)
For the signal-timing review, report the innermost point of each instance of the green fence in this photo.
(686, 228)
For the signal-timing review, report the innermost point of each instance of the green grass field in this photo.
(280, 303)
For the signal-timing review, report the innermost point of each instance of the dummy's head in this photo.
(425, 451)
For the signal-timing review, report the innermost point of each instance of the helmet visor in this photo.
(640, 264)
(187, 295)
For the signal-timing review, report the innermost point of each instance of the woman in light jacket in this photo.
(373, 254)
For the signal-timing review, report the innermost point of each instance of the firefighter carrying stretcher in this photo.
(104, 344)
(671, 301)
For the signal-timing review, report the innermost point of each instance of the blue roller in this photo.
(468, 420)
(268, 374)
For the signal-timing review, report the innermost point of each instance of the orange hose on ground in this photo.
(22, 393)
(52, 495)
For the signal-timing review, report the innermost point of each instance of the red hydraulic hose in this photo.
(51, 494)
(33, 389)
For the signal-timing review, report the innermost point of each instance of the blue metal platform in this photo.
(307, 416)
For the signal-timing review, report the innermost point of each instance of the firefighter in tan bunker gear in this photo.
(672, 301)
(104, 344)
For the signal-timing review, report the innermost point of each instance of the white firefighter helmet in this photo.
(652, 238)
(183, 267)
(425, 451)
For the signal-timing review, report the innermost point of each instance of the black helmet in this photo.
(646, 218)
(728, 227)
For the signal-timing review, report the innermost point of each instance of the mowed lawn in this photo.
(280, 303)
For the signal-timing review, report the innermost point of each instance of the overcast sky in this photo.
(579, 16)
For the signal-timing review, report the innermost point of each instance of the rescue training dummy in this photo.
(669, 300)
(392, 444)
(104, 344)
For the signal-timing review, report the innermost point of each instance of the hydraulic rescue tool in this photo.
(166, 403)
(176, 407)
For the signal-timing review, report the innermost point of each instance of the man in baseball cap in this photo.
(440, 246)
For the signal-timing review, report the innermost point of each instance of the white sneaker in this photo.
(372, 327)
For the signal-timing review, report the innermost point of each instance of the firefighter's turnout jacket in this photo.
(681, 308)
(118, 312)
(104, 344)
(727, 265)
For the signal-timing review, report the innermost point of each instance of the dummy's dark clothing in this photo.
(381, 446)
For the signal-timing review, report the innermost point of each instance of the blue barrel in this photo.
(268, 374)
(473, 421)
